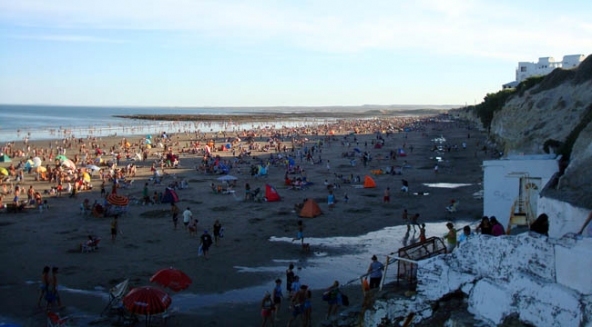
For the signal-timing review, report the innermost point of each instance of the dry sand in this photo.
(31, 240)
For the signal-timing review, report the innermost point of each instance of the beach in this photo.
(258, 245)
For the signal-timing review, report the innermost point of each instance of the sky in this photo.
(277, 53)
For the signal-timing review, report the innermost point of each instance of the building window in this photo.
(522, 69)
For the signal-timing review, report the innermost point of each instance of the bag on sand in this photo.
(200, 251)
(344, 300)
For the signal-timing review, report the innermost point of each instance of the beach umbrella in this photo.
(86, 177)
(61, 157)
(148, 141)
(3, 171)
(117, 200)
(36, 162)
(41, 169)
(5, 158)
(227, 178)
(172, 278)
(357, 150)
(69, 164)
(147, 300)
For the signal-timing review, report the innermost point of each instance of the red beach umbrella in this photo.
(117, 200)
(147, 300)
(172, 278)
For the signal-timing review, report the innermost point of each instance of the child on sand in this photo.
(300, 235)
(422, 233)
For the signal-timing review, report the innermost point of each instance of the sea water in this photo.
(20, 122)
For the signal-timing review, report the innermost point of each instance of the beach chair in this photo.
(90, 245)
(54, 320)
(116, 294)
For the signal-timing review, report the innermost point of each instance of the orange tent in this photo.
(369, 182)
(310, 209)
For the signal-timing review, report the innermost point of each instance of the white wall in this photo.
(500, 190)
(563, 217)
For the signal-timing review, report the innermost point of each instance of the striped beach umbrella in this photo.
(117, 200)
(147, 300)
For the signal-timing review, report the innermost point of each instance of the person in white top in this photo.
(187, 215)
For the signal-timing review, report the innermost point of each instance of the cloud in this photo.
(503, 29)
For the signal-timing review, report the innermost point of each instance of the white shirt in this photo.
(187, 216)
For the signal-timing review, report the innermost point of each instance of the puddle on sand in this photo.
(318, 270)
(446, 185)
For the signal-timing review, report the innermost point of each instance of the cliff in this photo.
(553, 116)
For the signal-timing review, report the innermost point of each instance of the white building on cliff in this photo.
(544, 66)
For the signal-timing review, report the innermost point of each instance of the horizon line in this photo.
(231, 107)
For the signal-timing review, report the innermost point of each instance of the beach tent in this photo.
(401, 153)
(369, 182)
(5, 158)
(169, 196)
(262, 171)
(271, 194)
(310, 209)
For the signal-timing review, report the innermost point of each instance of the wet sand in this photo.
(257, 246)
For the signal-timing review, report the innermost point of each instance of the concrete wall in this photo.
(501, 190)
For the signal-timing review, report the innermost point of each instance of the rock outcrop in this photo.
(527, 276)
(554, 116)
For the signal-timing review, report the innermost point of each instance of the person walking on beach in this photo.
(290, 279)
(54, 287)
(277, 297)
(450, 238)
(300, 234)
(217, 231)
(375, 272)
(333, 298)
(175, 212)
(387, 195)
(298, 301)
(422, 233)
(145, 195)
(414, 221)
(267, 309)
(405, 217)
(206, 242)
(44, 287)
(114, 224)
(187, 215)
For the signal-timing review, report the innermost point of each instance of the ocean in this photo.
(18, 122)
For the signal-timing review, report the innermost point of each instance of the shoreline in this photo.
(257, 116)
